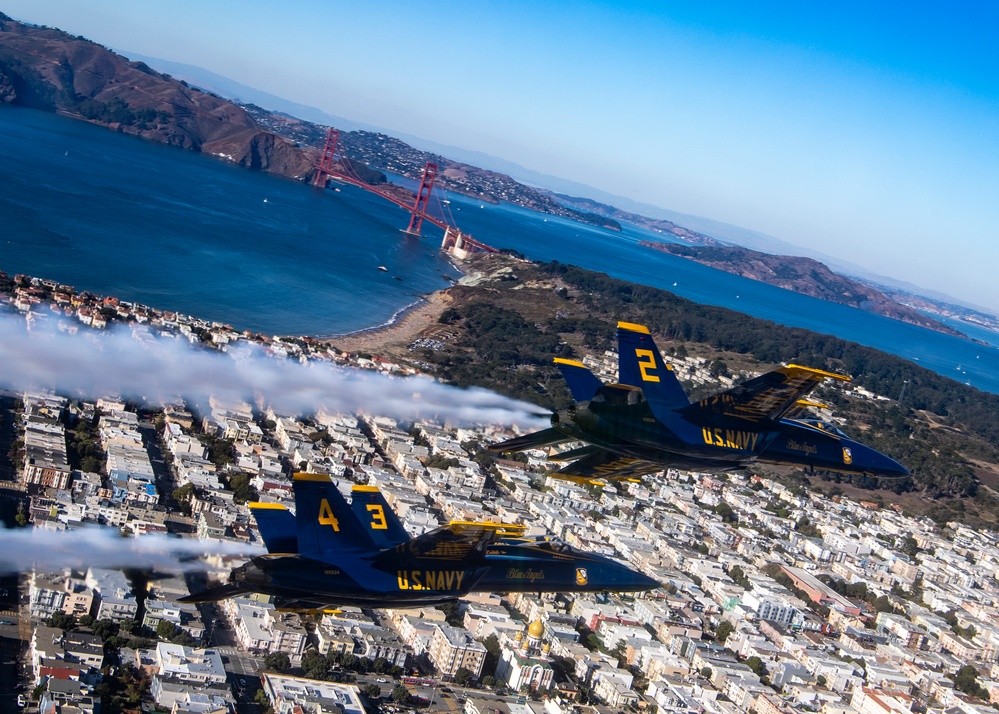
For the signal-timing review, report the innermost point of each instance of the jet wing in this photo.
(769, 397)
(458, 540)
(605, 465)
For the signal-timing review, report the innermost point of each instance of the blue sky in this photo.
(868, 133)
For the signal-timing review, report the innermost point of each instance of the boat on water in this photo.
(383, 268)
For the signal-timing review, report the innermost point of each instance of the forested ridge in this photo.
(508, 330)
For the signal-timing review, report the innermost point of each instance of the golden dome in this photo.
(536, 630)
(519, 636)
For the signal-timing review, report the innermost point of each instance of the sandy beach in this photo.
(408, 327)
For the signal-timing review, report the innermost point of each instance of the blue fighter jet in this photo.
(645, 422)
(331, 553)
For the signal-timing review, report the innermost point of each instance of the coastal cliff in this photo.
(48, 69)
(801, 275)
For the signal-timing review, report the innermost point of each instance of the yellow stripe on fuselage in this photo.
(570, 362)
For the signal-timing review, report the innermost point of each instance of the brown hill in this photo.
(49, 69)
(801, 275)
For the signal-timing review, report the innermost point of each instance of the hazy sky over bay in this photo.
(868, 131)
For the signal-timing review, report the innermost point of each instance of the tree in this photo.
(463, 676)
(373, 691)
(165, 629)
(400, 695)
(724, 630)
(488, 681)
(315, 665)
(242, 491)
(706, 672)
(106, 629)
(61, 620)
(21, 519)
(966, 680)
(726, 513)
(278, 661)
(756, 664)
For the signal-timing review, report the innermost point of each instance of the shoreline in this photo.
(396, 317)
(405, 326)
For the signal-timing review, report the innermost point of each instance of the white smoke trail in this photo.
(24, 549)
(91, 364)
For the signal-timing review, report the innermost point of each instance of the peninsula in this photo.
(801, 275)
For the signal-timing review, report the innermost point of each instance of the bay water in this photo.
(181, 231)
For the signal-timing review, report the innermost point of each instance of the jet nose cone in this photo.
(627, 580)
(873, 462)
(643, 583)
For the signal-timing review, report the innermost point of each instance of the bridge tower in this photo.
(419, 209)
(325, 166)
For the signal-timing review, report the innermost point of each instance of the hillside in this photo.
(802, 275)
(50, 70)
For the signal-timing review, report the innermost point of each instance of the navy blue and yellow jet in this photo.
(331, 553)
(645, 422)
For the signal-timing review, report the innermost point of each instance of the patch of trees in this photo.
(966, 680)
(724, 630)
(116, 111)
(504, 352)
(277, 661)
(334, 667)
(124, 690)
(859, 591)
(183, 497)
(83, 448)
(221, 452)
(966, 632)
(241, 489)
(168, 631)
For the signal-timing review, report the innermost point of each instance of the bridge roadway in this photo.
(336, 176)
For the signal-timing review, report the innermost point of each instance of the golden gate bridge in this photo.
(334, 165)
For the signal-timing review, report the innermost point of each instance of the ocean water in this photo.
(181, 231)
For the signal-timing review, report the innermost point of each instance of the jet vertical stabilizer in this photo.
(277, 527)
(374, 513)
(326, 524)
(581, 382)
(640, 364)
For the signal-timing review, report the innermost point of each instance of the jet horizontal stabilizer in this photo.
(581, 381)
(573, 454)
(536, 440)
(603, 464)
